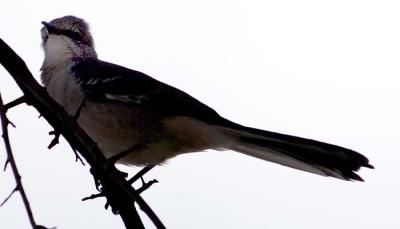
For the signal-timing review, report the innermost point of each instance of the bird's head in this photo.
(67, 37)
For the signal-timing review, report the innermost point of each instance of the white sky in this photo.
(327, 70)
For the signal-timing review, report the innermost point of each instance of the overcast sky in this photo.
(327, 70)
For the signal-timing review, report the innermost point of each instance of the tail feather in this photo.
(299, 153)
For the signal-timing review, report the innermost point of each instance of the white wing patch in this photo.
(123, 98)
(94, 81)
(126, 98)
(111, 79)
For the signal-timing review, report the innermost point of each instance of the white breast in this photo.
(58, 49)
(63, 88)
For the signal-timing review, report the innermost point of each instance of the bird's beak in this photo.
(49, 28)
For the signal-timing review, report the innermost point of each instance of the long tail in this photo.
(295, 152)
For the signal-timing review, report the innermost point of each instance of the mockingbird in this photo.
(121, 108)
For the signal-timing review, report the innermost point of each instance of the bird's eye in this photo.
(77, 35)
(74, 35)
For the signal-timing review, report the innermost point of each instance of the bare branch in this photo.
(11, 160)
(140, 174)
(14, 103)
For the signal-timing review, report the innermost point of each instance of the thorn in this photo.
(93, 196)
(55, 139)
(96, 182)
(77, 157)
(369, 166)
(9, 196)
(6, 164)
(11, 123)
(8, 122)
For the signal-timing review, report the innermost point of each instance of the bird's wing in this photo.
(107, 82)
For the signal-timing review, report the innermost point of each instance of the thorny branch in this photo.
(119, 192)
(10, 159)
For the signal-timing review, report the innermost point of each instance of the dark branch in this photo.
(93, 196)
(55, 140)
(14, 103)
(146, 185)
(77, 157)
(140, 174)
(11, 160)
(120, 194)
(6, 164)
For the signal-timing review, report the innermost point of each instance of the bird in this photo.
(123, 109)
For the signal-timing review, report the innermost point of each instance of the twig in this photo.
(11, 160)
(55, 141)
(146, 185)
(120, 194)
(140, 174)
(98, 195)
(77, 157)
(14, 103)
(93, 196)
(9, 196)
(6, 164)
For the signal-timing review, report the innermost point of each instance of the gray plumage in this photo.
(122, 108)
